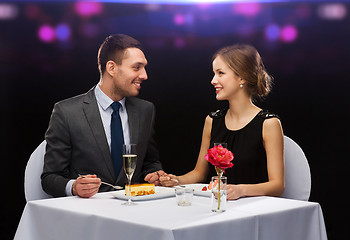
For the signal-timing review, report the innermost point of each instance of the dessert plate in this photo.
(198, 189)
(161, 192)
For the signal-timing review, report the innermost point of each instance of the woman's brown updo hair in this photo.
(245, 61)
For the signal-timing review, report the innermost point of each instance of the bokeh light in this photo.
(249, 9)
(46, 33)
(183, 19)
(204, 18)
(63, 32)
(272, 32)
(179, 42)
(8, 11)
(89, 30)
(303, 11)
(289, 33)
(332, 11)
(88, 9)
(179, 19)
(32, 11)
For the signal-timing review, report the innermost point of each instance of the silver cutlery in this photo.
(115, 187)
(108, 184)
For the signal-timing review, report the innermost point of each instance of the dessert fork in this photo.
(108, 184)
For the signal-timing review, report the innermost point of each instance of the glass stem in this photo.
(129, 200)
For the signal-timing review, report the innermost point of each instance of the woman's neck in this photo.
(241, 107)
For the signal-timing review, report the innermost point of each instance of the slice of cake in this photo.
(140, 189)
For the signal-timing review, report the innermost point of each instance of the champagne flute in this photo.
(129, 164)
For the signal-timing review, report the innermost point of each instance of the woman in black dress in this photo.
(254, 136)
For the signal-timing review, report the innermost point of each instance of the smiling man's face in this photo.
(130, 74)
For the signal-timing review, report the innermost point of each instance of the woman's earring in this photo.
(241, 85)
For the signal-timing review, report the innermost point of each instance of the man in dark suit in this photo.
(79, 134)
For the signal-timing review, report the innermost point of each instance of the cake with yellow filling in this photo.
(140, 189)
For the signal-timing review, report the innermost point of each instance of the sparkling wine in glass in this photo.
(129, 164)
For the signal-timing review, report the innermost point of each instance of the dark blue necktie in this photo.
(117, 139)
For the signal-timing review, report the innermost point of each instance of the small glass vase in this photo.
(218, 194)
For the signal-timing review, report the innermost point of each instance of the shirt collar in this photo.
(104, 101)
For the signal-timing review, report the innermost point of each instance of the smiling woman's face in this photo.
(225, 81)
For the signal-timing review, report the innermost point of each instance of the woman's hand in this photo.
(234, 192)
(169, 180)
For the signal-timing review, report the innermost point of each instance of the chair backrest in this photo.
(32, 180)
(297, 172)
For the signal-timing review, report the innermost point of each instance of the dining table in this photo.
(104, 216)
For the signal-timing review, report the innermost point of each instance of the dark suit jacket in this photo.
(77, 144)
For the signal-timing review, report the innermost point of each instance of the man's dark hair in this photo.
(113, 48)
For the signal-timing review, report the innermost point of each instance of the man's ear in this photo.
(111, 67)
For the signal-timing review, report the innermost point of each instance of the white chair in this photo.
(297, 172)
(32, 180)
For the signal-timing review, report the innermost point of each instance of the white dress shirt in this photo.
(106, 110)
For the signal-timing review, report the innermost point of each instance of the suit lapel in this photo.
(93, 117)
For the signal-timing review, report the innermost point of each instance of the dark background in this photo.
(310, 93)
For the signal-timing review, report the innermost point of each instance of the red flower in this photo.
(220, 157)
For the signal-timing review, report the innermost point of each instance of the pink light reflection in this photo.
(304, 11)
(90, 30)
(179, 42)
(32, 11)
(289, 33)
(249, 9)
(179, 19)
(46, 33)
(88, 9)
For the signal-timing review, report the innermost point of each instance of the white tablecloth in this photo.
(103, 217)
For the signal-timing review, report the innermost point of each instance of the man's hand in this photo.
(154, 177)
(86, 186)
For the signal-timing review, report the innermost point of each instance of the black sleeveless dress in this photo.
(246, 144)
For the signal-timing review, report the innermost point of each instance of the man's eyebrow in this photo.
(139, 63)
